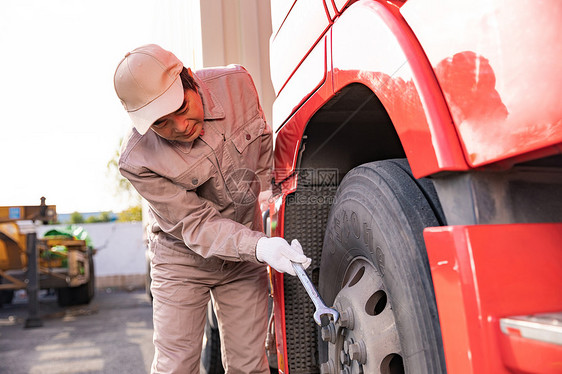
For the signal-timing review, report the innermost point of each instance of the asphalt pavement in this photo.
(113, 334)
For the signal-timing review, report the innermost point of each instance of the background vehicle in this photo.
(418, 160)
(61, 260)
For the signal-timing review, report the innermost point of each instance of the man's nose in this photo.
(180, 124)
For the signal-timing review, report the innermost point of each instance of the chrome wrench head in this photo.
(323, 313)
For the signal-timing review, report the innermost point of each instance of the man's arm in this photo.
(182, 214)
(264, 170)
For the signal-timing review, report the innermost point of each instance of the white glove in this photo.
(278, 254)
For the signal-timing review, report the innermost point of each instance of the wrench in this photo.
(322, 313)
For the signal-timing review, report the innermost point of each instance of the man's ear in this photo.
(190, 72)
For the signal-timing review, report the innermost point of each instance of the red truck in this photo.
(418, 161)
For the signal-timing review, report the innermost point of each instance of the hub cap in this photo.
(365, 338)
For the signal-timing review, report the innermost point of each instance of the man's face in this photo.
(186, 123)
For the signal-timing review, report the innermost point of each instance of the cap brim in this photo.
(168, 102)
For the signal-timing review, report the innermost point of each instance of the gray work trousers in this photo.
(182, 284)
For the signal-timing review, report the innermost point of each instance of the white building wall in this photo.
(238, 32)
(120, 258)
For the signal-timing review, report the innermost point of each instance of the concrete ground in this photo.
(113, 334)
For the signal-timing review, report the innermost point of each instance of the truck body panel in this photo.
(482, 273)
(497, 63)
(455, 90)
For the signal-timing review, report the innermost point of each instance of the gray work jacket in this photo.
(202, 195)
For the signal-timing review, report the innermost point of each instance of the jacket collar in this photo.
(212, 109)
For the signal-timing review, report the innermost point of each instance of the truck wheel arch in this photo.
(350, 129)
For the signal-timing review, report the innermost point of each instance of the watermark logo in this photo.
(244, 186)
(319, 178)
(316, 186)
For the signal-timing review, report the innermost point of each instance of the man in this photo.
(200, 153)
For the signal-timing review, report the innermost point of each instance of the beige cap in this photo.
(147, 82)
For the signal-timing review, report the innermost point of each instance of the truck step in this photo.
(546, 327)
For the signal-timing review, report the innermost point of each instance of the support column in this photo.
(33, 319)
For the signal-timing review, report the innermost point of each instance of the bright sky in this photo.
(60, 119)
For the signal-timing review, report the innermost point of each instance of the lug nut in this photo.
(327, 368)
(329, 333)
(358, 352)
(338, 306)
(346, 319)
(344, 358)
(346, 345)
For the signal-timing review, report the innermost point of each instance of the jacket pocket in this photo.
(248, 134)
(197, 176)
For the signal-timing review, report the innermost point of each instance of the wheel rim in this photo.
(365, 338)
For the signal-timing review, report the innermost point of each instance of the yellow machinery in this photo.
(12, 240)
(58, 262)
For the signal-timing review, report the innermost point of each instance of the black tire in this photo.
(211, 362)
(6, 296)
(82, 294)
(374, 269)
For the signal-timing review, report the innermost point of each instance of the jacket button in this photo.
(194, 180)
(248, 136)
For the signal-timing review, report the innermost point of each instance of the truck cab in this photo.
(418, 161)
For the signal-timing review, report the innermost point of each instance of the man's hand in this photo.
(278, 254)
(263, 199)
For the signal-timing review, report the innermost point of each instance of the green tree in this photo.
(133, 213)
(102, 217)
(76, 217)
(105, 216)
(122, 186)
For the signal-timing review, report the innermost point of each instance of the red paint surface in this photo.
(484, 273)
(498, 64)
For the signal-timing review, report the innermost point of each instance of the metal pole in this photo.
(33, 319)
